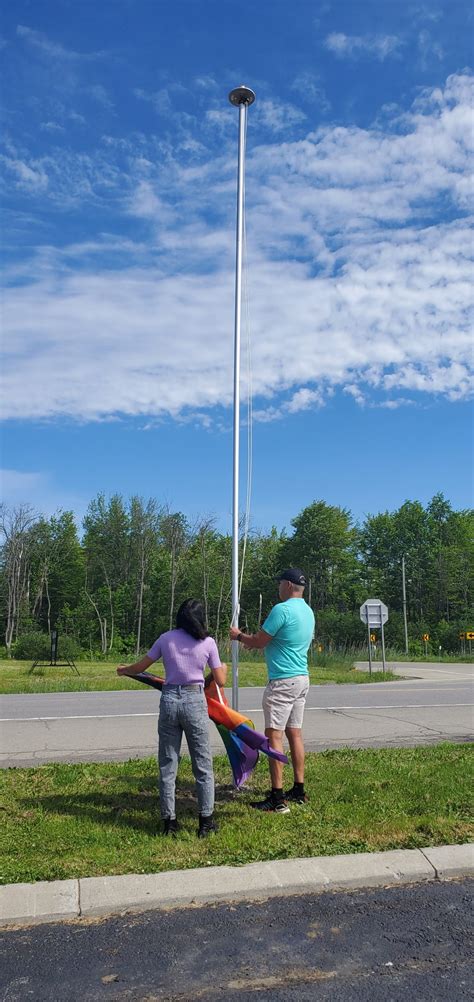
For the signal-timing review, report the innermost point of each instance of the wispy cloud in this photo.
(28, 176)
(37, 488)
(99, 94)
(357, 46)
(311, 90)
(51, 49)
(51, 127)
(17, 482)
(429, 47)
(278, 116)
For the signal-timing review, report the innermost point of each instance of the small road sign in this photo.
(469, 634)
(372, 638)
(426, 637)
(462, 636)
(374, 613)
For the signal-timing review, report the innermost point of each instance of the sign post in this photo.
(375, 614)
(470, 637)
(53, 662)
(426, 637)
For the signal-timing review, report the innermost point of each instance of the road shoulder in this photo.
(26, 904)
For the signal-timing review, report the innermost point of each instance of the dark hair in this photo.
(190, 617)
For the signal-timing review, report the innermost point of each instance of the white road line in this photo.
(393, 706)
(382, 706)
(84, 716)
(5, 696)
(258, 709)
(440, 671)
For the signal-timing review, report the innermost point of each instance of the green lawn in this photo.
(18, 676)
(62, 821)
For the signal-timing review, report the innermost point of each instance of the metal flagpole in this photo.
(242, 98)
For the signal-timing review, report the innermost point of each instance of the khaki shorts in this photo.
(284, 701)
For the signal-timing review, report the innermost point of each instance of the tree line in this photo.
(113, 589)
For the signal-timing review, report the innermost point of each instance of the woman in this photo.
(185, 652)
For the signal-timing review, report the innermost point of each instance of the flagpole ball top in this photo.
(241, 95)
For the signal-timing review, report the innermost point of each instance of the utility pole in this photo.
(404, 592)
(241, 98)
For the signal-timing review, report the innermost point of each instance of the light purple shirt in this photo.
(184, 657)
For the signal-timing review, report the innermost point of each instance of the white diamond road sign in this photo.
(374, 613)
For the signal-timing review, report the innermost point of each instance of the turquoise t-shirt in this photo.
(291, 625)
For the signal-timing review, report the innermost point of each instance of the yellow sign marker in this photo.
(426, 636)
(372, 638)
(470, 635)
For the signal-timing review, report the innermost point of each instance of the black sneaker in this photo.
(207, 825)
(170, 826)
(271, 804)
(296, 798)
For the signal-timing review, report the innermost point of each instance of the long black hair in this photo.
(191, 618)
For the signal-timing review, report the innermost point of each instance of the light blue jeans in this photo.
(183, 709)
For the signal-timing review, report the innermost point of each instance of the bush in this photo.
(36, 646)
(68, 647)
(416, 648)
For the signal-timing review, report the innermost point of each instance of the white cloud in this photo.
(359, 276)
(37, 489)
(145, 202)
(50, 49)
(355, 46)
(207, 83)
(310, 88)
(305, 399)
(160, 99)
(428, 47)
(278, 116)
(18, 483)
(27, 176)
(394, 404)
(51, 127)
(99, 94)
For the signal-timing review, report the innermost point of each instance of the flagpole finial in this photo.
(241, 95)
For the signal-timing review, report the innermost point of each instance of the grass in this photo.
(61, 821)
(18, 676)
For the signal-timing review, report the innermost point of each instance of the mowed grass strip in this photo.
(62, 821)
(97, 676)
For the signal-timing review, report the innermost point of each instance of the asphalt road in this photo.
(391, 944)
(431, 704)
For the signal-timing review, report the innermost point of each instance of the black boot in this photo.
(206, 825)
(170, 826)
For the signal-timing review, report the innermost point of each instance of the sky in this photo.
(118, 164)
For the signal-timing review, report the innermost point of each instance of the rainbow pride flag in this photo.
(241, 741)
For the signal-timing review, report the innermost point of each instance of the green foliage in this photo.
(34, 646)
(118, 588)
(324, 544)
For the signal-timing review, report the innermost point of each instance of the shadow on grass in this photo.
(137, 809)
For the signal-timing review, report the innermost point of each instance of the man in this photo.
(285, 638)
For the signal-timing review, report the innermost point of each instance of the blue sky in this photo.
(118, 166)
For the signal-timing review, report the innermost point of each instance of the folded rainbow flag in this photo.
(242, 742)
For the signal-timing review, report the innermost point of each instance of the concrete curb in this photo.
(25, 904)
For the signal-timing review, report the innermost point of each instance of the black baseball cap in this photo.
(293, 574)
